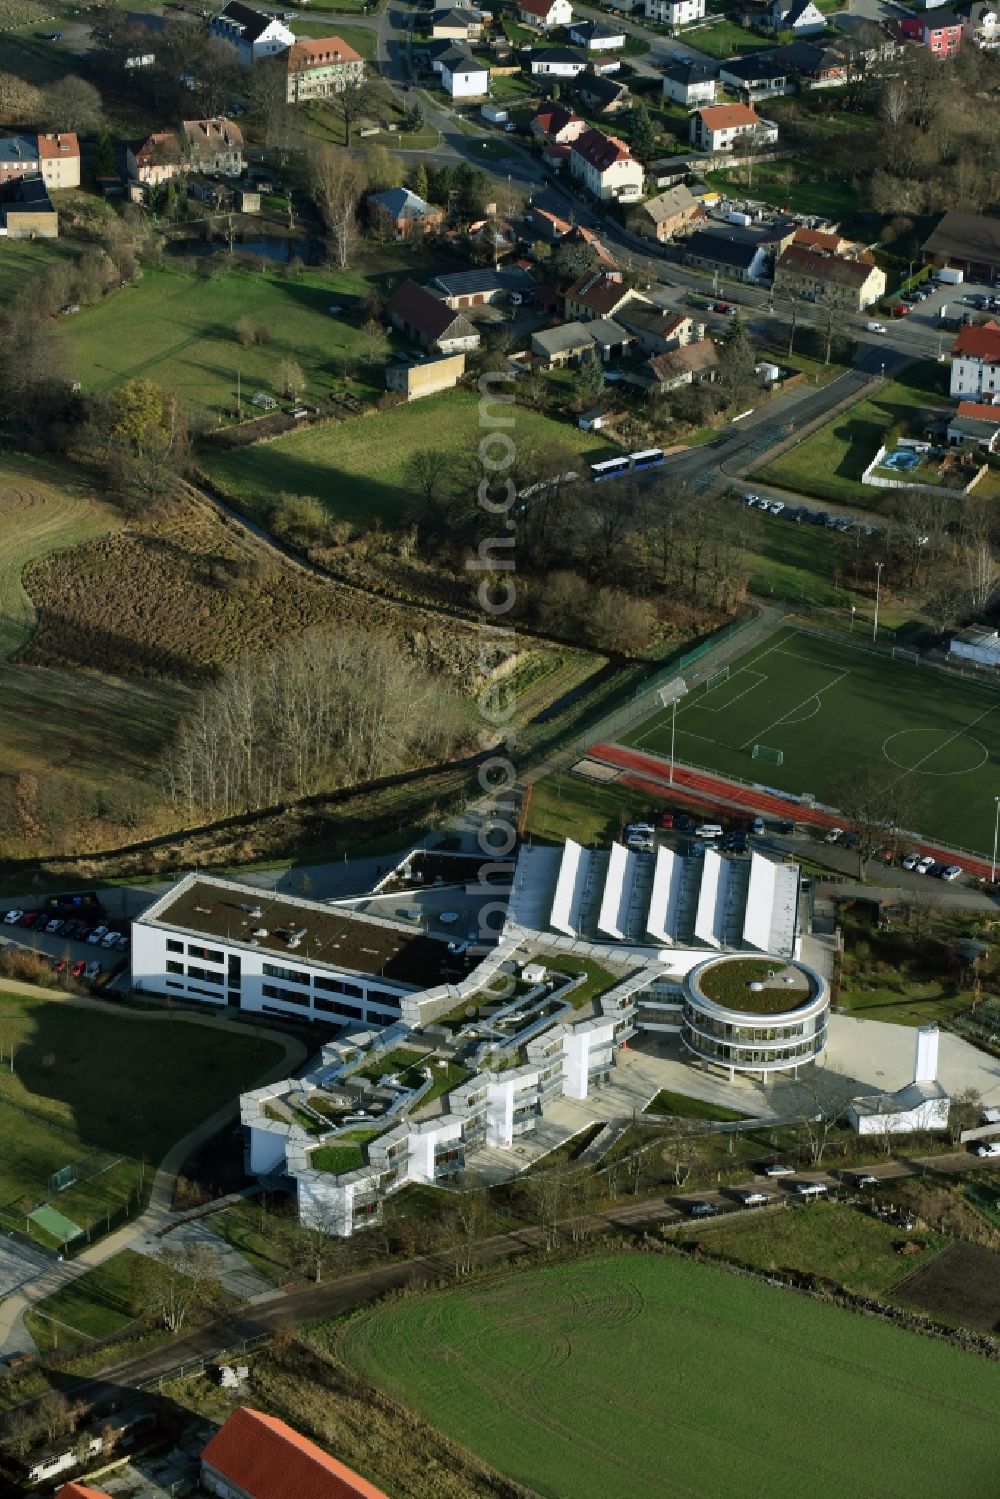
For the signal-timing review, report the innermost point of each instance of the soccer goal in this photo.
(717, 679)
(768, 755)
(900, 653)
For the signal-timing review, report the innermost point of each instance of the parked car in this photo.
(683, 823)
(77, 971)
(92, 971)
(666, 820)
(29, 918)
(776, 506)
(13, 917)
(97, 934)
(987, 1148)
(54, 927)
(785, 827)
(951, 872)
(702, 1209)
(910, 861)
(811, 1189)
(110, 939)
(775, 1169)
(59, 965)
(924, 865)
(750, 499)
(864, 1179)
(834, 835)
(753, 1197)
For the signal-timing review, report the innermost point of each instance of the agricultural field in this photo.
(829, 464)
(75, 1096)
(358, 468)
(639, 1375)
(961, 1286)
(828, 707)
(190, 344)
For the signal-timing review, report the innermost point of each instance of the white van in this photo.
(987, 1148)
(811, 1189)
(991, 1116)
(872, 327)
(709, 830)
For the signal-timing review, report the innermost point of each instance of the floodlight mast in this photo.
(672, 693)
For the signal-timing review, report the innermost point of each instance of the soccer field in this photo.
(829, 708)
(649, 1377)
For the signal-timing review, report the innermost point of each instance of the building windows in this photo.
(290, 975)
(205, 974)
(338, 1007)
(174, 984)
(174, 946)
(272, 991)
(338, 986)
(207, 954)
(205, 993)
(173, 966)
(381, 997)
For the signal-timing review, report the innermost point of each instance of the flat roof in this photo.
(334, 937)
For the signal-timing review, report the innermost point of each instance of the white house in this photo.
(557, 62)
(597, 36)
(544, 15)
(255, 36)
(722, 127)
(689, 83)
(464, 76)
(675, 13)
(975, 363)
(981, 24)
(606, 167)
(921, 1105)
(799, 16)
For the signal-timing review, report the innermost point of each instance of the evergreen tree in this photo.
(643, 134)
(104, 154)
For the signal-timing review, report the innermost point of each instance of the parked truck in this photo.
(950, 276)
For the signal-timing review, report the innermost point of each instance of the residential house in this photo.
(726, 127)
(606, 167)
(321, 66)
(968, 241)
(214, 145)
(556, 123)
(425, 377)
(599, 293)
(692, 364)
(727, 252)
(26, 210)
(484, 288)
(544, 15)
(758, 76)
(254, 35)
(980, 23)
(555, 348)
(596, 36)
(668, 171)
(801, 17)
(658, 330)
(404, 214)
(811, 64)
(610, 62)
(458, 23)
(975, 363)
(828, 242)
(54, 157)
(660, 218)
(462, 75)
(254, 1456)
(603, 96)
(558, 62)
(939, 30)
(976, 424)
(155, 160)
(689, 83)
(81, 1491)
(417, 312)
(848, 282)
(675, 13)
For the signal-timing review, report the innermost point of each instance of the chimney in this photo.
(925, 1058)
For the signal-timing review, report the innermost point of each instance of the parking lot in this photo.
(87, 952)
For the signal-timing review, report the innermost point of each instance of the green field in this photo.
(189, 341)
(105, 1301)
(796, 183)
(830, 707)
(105, 1089)
(42, 509)
(657, 1378)
(829, 464)
(21, 260)
(358, 468)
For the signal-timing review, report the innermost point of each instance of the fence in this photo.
(200, 1364)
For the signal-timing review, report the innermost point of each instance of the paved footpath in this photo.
(14, 1336)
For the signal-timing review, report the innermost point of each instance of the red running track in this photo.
(650, 773)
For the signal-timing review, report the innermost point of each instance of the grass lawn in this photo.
(346, 1155)
(238, 1226)
(358, 468)
(797, 183)
(571, 806)
(639, 1375)
(830, 708)
(825, 1239)
(805, 563)
(725, 39)
(829, 464)
(43, 508)
(21, 260)
(103, 1302)
(679, 1106)
(898, 975)
(77, 1094)
(361, 38)
(189, 340)
(598, 978)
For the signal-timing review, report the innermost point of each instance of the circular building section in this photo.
(754, 1014)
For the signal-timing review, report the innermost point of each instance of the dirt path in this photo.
(14, 1336)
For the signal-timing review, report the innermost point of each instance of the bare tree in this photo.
(180, 1282)
(876, 803)
(336, 182)
(824, 1106)
(966, 1112)
(349, 102)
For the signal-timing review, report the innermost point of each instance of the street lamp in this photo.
(854, 610)
(996, 829)
(878, 592)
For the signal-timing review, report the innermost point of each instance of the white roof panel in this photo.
(569, 891)
(708, 922)
(663, 897)
(617, 888)
(758, 919)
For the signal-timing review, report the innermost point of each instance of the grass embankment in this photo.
(104, 1302)
(829, 464)
(77, 1094)
(680, 1106)
(564, 805)
(540, 1350)
(358, 468)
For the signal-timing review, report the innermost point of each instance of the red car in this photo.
(59, 966)
(29, 918)
(666, 819)
(77, 970)
(900, 309)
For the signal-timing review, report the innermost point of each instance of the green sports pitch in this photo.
(648, 1377)
(827, 708)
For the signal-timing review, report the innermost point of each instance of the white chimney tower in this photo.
(925, 1057)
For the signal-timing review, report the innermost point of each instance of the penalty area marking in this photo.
(760, 735)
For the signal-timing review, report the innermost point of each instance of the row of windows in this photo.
(748, 1056)
(274, 991)
(193, 989)
(290, 975)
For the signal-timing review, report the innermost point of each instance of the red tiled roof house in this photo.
(253, 1456)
